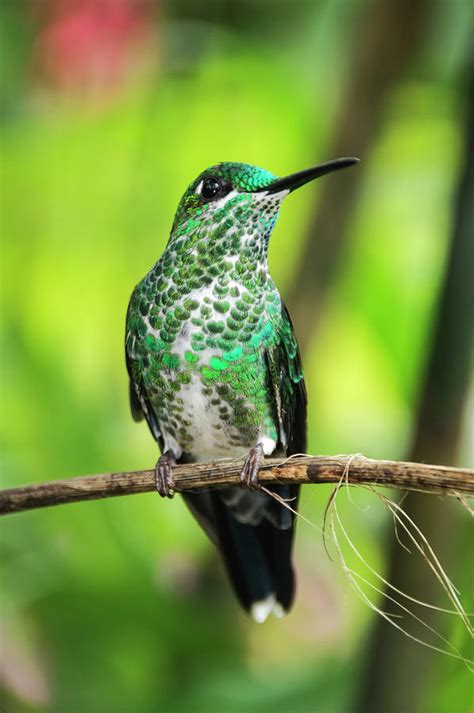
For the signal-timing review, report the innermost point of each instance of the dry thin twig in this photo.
(355, 470)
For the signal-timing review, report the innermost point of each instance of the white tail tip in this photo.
(260, 611)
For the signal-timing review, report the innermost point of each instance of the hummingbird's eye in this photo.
(210, 188)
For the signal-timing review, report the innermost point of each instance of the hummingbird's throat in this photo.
(237, 226)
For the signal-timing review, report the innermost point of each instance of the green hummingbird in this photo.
(215, 369)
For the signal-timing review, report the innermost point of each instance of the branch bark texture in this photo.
(355, 470)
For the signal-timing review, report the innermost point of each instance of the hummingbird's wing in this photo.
(286, 380)
(135, 406)
(287, 384)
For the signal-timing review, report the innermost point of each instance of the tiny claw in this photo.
(249, 473)
(164, 474)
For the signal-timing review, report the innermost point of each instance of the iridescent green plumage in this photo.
(214, 367)
(206, 317)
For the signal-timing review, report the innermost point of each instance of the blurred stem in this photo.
(398, 670)
(390, 36)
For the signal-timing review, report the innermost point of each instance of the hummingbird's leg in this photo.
(249, 473)
(164, 474)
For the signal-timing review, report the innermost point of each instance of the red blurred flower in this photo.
(90, 46)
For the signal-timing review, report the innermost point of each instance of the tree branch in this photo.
(356, 470)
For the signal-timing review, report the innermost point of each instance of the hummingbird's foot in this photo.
(164, 474)
(249, 473)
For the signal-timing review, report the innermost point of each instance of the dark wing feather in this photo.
(287, 383)
(288, 387)
(135, 406)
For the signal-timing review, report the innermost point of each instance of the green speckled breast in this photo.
(198, 329)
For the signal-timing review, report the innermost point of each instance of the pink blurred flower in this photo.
(91, 46)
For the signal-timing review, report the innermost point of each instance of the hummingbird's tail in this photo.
(257, 557)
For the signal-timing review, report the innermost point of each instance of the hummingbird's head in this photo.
(238, 201)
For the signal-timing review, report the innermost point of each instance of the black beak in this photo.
(295, 180)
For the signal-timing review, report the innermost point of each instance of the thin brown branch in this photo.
(356, 470)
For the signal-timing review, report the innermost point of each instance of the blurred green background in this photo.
(109, 109)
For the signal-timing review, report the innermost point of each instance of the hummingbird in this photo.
(215, 370)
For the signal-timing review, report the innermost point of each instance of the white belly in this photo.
(212, 437)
